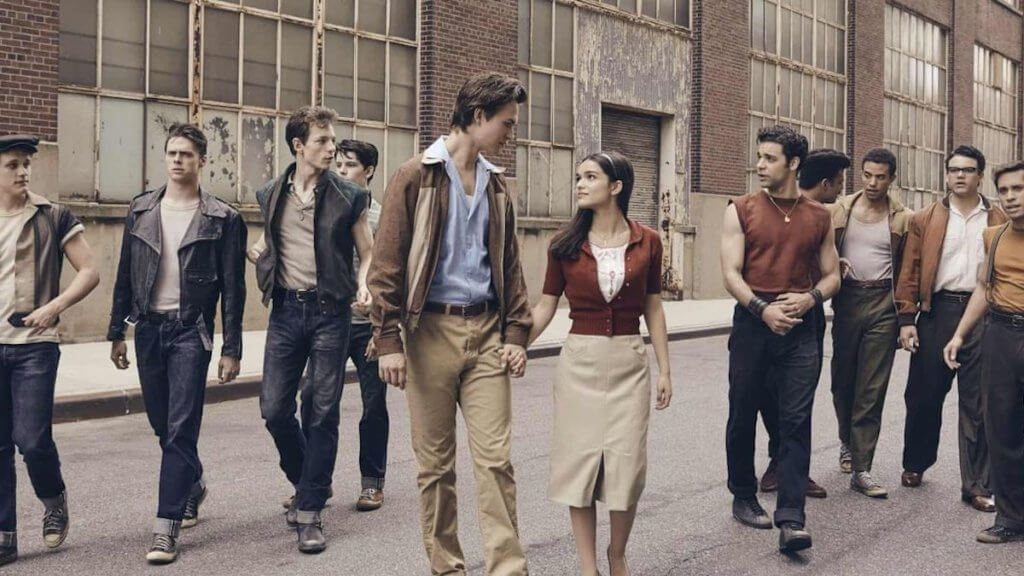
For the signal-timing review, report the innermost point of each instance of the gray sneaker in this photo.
(863, 483)
(845, 459)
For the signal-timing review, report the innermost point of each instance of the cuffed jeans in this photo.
(300, 332)
(374, 424)
(755, 352)
(28, 374)
(173, 362)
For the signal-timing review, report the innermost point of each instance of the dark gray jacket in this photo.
(212, 261)
(338, 206)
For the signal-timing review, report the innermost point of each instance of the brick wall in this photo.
(460, 38)
(28, 67)
(721, 68)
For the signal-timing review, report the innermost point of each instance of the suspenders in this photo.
(991, 275)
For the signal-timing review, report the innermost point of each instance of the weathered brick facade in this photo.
(28, 67)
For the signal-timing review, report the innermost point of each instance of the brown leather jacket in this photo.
(408, 243)
(921, 257)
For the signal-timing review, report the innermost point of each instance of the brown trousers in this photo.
(455, 362)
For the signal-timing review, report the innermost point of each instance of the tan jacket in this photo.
(922, 254)
(899, 223)
(408, 243)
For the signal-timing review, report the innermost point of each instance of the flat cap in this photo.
(19, 142)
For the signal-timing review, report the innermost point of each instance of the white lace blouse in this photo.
(611, 269)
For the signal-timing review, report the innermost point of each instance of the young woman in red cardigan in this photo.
(609, 268)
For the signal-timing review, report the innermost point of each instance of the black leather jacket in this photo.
(212, 260)
(339, 204)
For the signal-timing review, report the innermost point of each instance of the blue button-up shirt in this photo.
(463, 274)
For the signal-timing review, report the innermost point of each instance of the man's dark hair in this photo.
(1015, 166)
(190, 132)
(821, 164)
(302, 119)
(794, 145)
(487, 92)
(365, 152)
(880, 156)
(968, 152)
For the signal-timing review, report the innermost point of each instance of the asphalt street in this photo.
(684, 525)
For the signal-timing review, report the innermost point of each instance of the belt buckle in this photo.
(1017, 321)
(304, 295)
(465, 312)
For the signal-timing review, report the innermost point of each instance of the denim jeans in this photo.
(374, 424)
(173, 364)
(300, 332)
(757, 357)
(28, 373)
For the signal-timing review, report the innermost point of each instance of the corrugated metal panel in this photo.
(638, 137)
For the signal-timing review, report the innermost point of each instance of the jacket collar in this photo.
(147, 221)
(986, 204)
(895, 206)
(437, 153)
(208, 205)
(37, 200)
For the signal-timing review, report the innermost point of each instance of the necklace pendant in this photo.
(787, 219)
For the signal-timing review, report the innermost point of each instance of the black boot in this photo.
(793, 537)
(310, 532)
(748, 511)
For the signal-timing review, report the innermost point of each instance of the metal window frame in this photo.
(639, 12)
(198, 105)
(983, 84)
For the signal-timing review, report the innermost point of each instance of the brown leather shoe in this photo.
(911, 479)
(814, 490)
(770, 480)
(370, 499)
(980, 503)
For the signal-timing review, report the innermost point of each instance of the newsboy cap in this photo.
(19, 142)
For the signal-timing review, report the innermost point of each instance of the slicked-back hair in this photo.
(487, 92)
(190, 132)
(881, 156)
(794, 145)
(1015, 166)
(303, 119)
(968, 152)
(821, 164)
(365, 152)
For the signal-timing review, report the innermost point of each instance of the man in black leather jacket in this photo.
(183, 249)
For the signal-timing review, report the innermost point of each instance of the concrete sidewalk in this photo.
(88, 385)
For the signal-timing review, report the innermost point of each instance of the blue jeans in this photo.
(759, 358)
(374, 424)
(28, 373)
(173, 364)
(300, 332)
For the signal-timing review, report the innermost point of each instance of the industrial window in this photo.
(798, 72)
(544, 155)
(671, 11)
(995, 110)
(126, 76)
(915, 103)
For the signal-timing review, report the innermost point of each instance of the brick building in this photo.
(679, 88)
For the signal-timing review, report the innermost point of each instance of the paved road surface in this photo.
(684, 524)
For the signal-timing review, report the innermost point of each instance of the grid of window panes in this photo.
(798, 72)
(670, 11)
(995, 109)
(915, 103)
(546, 138)
(126, 76)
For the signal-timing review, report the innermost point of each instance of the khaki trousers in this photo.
(454, 362)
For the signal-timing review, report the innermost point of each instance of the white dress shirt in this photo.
(958, 266)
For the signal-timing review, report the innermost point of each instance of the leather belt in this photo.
(161, 317)
(958, 297)
(468, 311)
(296, 295)
(887, 283)
(1015, 321)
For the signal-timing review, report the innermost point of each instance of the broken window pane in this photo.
(540, 47)
(300, 8)
(296, 66)
(220, 56)
(168, 51)
(341, 12)
(76, 140)
(78, 21)
(124, 45)
(121, 149)
(159, 117)
(257, 155)
(338, 80)
(259, 64)
(371, 79)
(403, 19)
(402, 96)
(540, 114)
(562, 130)
(219, 175)
(563, 37)
(373, 15)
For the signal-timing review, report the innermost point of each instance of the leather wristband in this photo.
(756, 306)
(819, 298)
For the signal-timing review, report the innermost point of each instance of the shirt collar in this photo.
(438, 153)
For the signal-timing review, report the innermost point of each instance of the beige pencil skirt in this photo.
(602, 408)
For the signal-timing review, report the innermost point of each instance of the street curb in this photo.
(78, 407)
